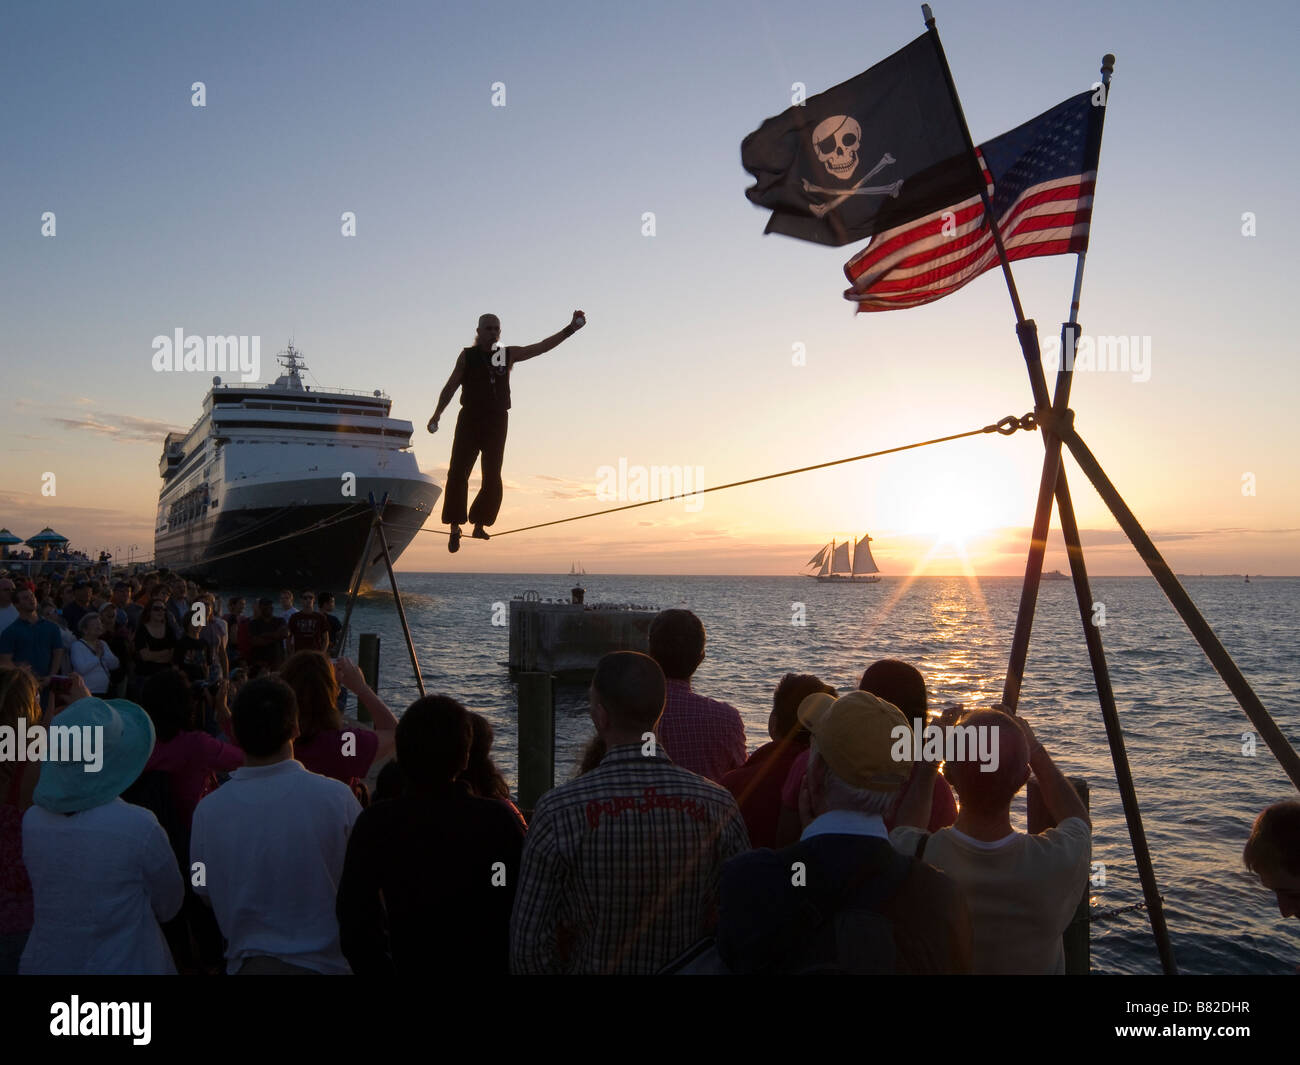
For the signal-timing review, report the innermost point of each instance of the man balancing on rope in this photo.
(482, 374)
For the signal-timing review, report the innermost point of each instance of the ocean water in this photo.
(1198, 790)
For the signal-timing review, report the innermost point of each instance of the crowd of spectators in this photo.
(229, 826)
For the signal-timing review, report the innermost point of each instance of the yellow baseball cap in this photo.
(856, 736)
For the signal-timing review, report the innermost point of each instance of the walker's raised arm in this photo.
(543, 346)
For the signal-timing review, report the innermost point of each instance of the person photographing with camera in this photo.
(482, 373)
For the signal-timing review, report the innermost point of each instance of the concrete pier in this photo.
(568, 638)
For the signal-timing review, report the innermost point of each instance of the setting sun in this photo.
(955, 507)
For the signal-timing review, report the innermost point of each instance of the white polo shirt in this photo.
(272, 842)
(102, 880)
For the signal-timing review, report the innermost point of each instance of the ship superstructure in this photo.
(269, 487)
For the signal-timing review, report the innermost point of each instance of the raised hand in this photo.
(349, 675)
(77, 688)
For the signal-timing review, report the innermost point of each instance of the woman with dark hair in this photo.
(189, 756)
(757, 784)
(155, 644)
(188, 759)
(482, 775)
(903, 685)
(429, 879)
(324, 745)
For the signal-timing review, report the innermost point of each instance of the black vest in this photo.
(485, 388)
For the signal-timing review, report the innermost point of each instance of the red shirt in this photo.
(757, 787)
(703, 735)
(324, 753)
(943, 807)
(189, 759)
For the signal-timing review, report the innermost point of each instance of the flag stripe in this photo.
(918, 263)
(1040, 176)
(939, 256)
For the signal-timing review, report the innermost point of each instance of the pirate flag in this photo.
(873, 153)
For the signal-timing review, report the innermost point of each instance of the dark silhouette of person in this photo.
(482, 374)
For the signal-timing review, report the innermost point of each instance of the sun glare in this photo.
(952, 509)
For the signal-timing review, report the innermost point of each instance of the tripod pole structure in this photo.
(397, 599)
(1182, 602)
(362, 563)
(1049, 484)
(1053, 484)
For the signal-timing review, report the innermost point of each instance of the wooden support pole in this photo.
(397, 601)
(1182, 602)
(1114, 733)
(368, 663)
(536, 737)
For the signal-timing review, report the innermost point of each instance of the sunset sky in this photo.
(225, 219)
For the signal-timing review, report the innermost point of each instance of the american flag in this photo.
(1040, 178)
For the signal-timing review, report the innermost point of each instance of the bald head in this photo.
(489, 331)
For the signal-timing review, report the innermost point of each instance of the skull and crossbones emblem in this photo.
(837, 141)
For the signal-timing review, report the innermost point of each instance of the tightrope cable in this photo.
(1006, 427)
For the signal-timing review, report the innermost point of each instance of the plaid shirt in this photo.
(703, 735)
(621, 868)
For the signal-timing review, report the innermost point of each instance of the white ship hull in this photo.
(270, 488)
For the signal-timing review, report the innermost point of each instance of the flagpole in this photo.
(1094, 152)
(1059, 487)
(1027, 335)
(1053, 483)
(1070, 331)
(928, 15)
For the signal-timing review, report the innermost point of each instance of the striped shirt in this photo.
(621, 868)
(701, 734)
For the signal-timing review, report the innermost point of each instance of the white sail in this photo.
(840, 563)
(818, 558)
(862, 560)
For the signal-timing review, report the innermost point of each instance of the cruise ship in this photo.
(270, 486)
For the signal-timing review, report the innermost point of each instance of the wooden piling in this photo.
(1077, 937)
(536, 737)
(368, 663)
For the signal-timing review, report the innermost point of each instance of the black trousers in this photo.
(475, 433)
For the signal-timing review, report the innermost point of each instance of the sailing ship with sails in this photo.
(835, 564)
